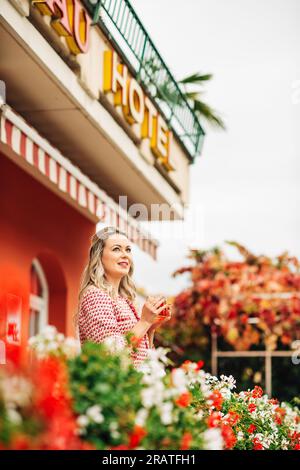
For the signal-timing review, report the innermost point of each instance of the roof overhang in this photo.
(37, 156)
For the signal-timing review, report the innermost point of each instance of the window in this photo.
(38, 303)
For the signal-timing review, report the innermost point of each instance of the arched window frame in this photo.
(40, 304)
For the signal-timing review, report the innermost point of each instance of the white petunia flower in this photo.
(199, 415)
(95, 415)
(179, 381)
(159, 354)
(16, 391)
(52, 346)
(141, 417)
(14, 416)
(213, 439)
(82, 421)
(114, 344)
(49, 332)
(165, 410)
(113, 426)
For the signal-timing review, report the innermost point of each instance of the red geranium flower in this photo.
(20, 442)
(200, 364)
(252, 407)
(251, 428)
(136, 436)
(214, 419)
(228, 436)
(278, 420)
(217, 399)
(257, 445)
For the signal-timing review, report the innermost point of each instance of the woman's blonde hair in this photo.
(94, 274)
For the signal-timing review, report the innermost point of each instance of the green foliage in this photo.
(111, 381)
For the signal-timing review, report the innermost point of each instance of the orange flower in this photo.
(233, 418)
(185, 365)
(20, 442)
(134, 341)
(257, 392)
(166, 442)
(136, 436)
(214, 419)
(186, 441)
(184, 400)
(217, 399)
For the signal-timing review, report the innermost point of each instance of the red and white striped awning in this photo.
(67, 180)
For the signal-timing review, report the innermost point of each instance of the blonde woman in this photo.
(107, 295)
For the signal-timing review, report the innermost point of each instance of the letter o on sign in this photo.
(136, 101)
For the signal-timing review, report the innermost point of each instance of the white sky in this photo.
(245, 186)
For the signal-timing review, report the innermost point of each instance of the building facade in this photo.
(93, 130)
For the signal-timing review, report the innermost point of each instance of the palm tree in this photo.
(166, 91)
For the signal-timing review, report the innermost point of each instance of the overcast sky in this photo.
(245, 185)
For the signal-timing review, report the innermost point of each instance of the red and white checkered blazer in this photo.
(101, 317)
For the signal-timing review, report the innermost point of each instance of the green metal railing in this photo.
(121, 24)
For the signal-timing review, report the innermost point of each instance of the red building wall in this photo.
(36, 223)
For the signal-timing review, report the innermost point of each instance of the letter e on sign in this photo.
(160, 142)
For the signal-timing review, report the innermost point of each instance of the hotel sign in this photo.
(70, 19)
(137, 107)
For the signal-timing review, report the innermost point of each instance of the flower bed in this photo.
(96, 399)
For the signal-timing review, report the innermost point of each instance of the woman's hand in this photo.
(163, 317)
(152, 309)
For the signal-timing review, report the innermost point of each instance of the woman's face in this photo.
(117, 256)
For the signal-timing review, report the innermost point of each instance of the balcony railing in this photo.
(121, 24)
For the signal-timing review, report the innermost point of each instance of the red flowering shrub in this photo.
(230, 298)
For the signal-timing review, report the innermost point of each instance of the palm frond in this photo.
(196, 78)
(192, 95)
(204, 110)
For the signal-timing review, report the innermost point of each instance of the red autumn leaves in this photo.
(248, 302)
